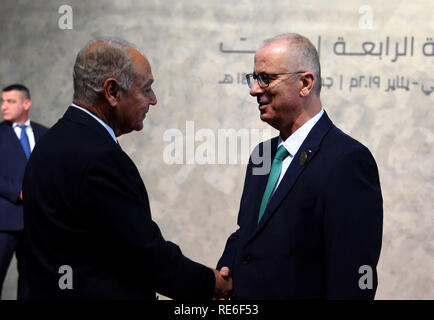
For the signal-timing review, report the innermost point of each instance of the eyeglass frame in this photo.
(269, 75)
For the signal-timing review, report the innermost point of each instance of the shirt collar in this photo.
(295, 140)
(105, 125)
(16, 124)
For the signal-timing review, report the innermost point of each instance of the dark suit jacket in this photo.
(86, 206)
(322, 224)
(12, 164)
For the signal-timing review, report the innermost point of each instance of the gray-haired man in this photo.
(86, 208)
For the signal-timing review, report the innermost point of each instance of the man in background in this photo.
(89, 233)
(18, 136)
(311, 228)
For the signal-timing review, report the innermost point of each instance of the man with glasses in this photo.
(310, 228)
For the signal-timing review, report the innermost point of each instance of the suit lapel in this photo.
(257, 185)
(36, 132)
(14, 141)
(311, 145)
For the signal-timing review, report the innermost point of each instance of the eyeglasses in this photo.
(264, 79)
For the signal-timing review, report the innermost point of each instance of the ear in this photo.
(27, 103)
(112, 91)
(308, 81)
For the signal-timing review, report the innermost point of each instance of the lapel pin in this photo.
(304, 156)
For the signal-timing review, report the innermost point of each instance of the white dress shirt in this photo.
(29, 132)
(294, 141)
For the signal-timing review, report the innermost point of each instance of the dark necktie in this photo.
(276, 167)
(24, 139)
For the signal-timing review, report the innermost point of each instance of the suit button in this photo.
(247, 259)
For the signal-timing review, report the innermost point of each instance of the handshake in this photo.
(223, 284)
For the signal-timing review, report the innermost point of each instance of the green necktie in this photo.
(276, 167)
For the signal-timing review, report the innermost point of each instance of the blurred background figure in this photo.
(18, 136)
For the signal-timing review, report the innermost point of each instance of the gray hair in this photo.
(94, 65)
(304, 54)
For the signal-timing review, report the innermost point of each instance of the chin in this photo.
(265, 117)
(270, 121)
(139, 126)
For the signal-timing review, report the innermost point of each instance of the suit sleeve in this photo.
(353, 227)
(230, 251)
(10, 188)
(228, 257)
(113, 194)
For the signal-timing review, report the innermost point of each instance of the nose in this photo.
(256, 89)
(153, 99)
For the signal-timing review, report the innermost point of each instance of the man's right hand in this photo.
(223, 283)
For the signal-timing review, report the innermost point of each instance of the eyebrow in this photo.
(148, 83)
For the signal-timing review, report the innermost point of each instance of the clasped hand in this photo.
(223, 283)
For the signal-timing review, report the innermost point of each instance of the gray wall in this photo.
(196, 204)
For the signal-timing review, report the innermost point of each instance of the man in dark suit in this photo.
(18, 136)
(89, 232)
(310, 228)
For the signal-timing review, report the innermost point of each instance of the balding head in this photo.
(112, 80)
(301, 55)
(99, 60)
(287, 82)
